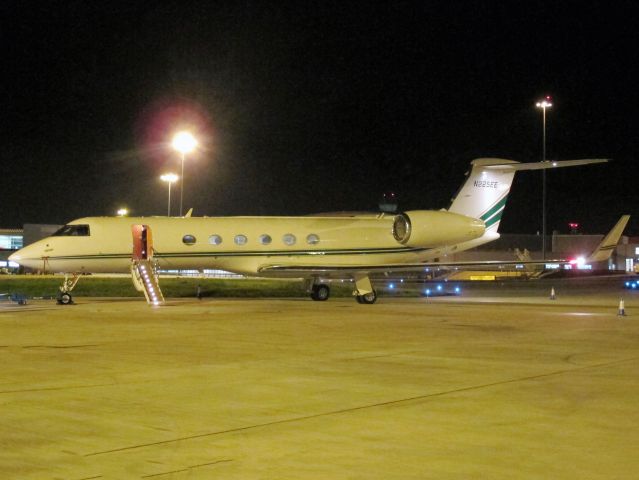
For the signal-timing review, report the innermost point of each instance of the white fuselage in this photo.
(217, 242)
(310, 246)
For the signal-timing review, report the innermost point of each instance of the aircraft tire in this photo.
(368, 298)
(320, 292)
(65, 299)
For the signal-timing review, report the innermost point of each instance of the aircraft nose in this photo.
(26, 257)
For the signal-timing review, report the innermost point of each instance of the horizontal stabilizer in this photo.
(543, 165)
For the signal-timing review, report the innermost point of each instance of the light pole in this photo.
(169, 178)
(543, 104)
(184, 143)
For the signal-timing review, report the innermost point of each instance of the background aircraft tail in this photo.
(609, 243)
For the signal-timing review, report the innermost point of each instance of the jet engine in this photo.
(431, 228)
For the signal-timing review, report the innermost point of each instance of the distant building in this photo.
(11, 238)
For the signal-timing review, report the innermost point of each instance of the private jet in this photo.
(317, 249)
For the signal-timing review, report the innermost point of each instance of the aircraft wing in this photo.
(342, 270)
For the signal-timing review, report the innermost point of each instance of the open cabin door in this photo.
(143, 272)
(142, 242)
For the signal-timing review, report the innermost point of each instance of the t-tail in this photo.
(485, 192)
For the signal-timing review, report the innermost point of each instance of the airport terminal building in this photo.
(11, 239)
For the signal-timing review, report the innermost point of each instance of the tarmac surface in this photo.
(500, 386)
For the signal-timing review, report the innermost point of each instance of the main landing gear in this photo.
(320, 292)
(368, 298)
(364, 292)
(64, 296)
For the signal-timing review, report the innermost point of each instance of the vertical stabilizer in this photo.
(609, 243)
(485, 191)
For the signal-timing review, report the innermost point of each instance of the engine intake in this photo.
(431, 228)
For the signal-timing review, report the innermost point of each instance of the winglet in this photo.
(189, 213)
(609, 243)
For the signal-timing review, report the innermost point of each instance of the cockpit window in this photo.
(73, 231)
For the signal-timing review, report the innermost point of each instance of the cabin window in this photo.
(240, 240)
(265, 239)
(215, 240)
(289, 239)
(189, 240)
(73, 231)
(312, 239)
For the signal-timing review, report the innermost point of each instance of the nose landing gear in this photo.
(64, 299)
(64, 296)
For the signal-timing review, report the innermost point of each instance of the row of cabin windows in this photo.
(288, 239)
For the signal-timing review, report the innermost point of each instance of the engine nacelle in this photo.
(432, 228)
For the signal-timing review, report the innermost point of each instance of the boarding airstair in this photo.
(143, 270)
(145, 279)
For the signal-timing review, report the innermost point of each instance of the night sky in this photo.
(315, 106)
